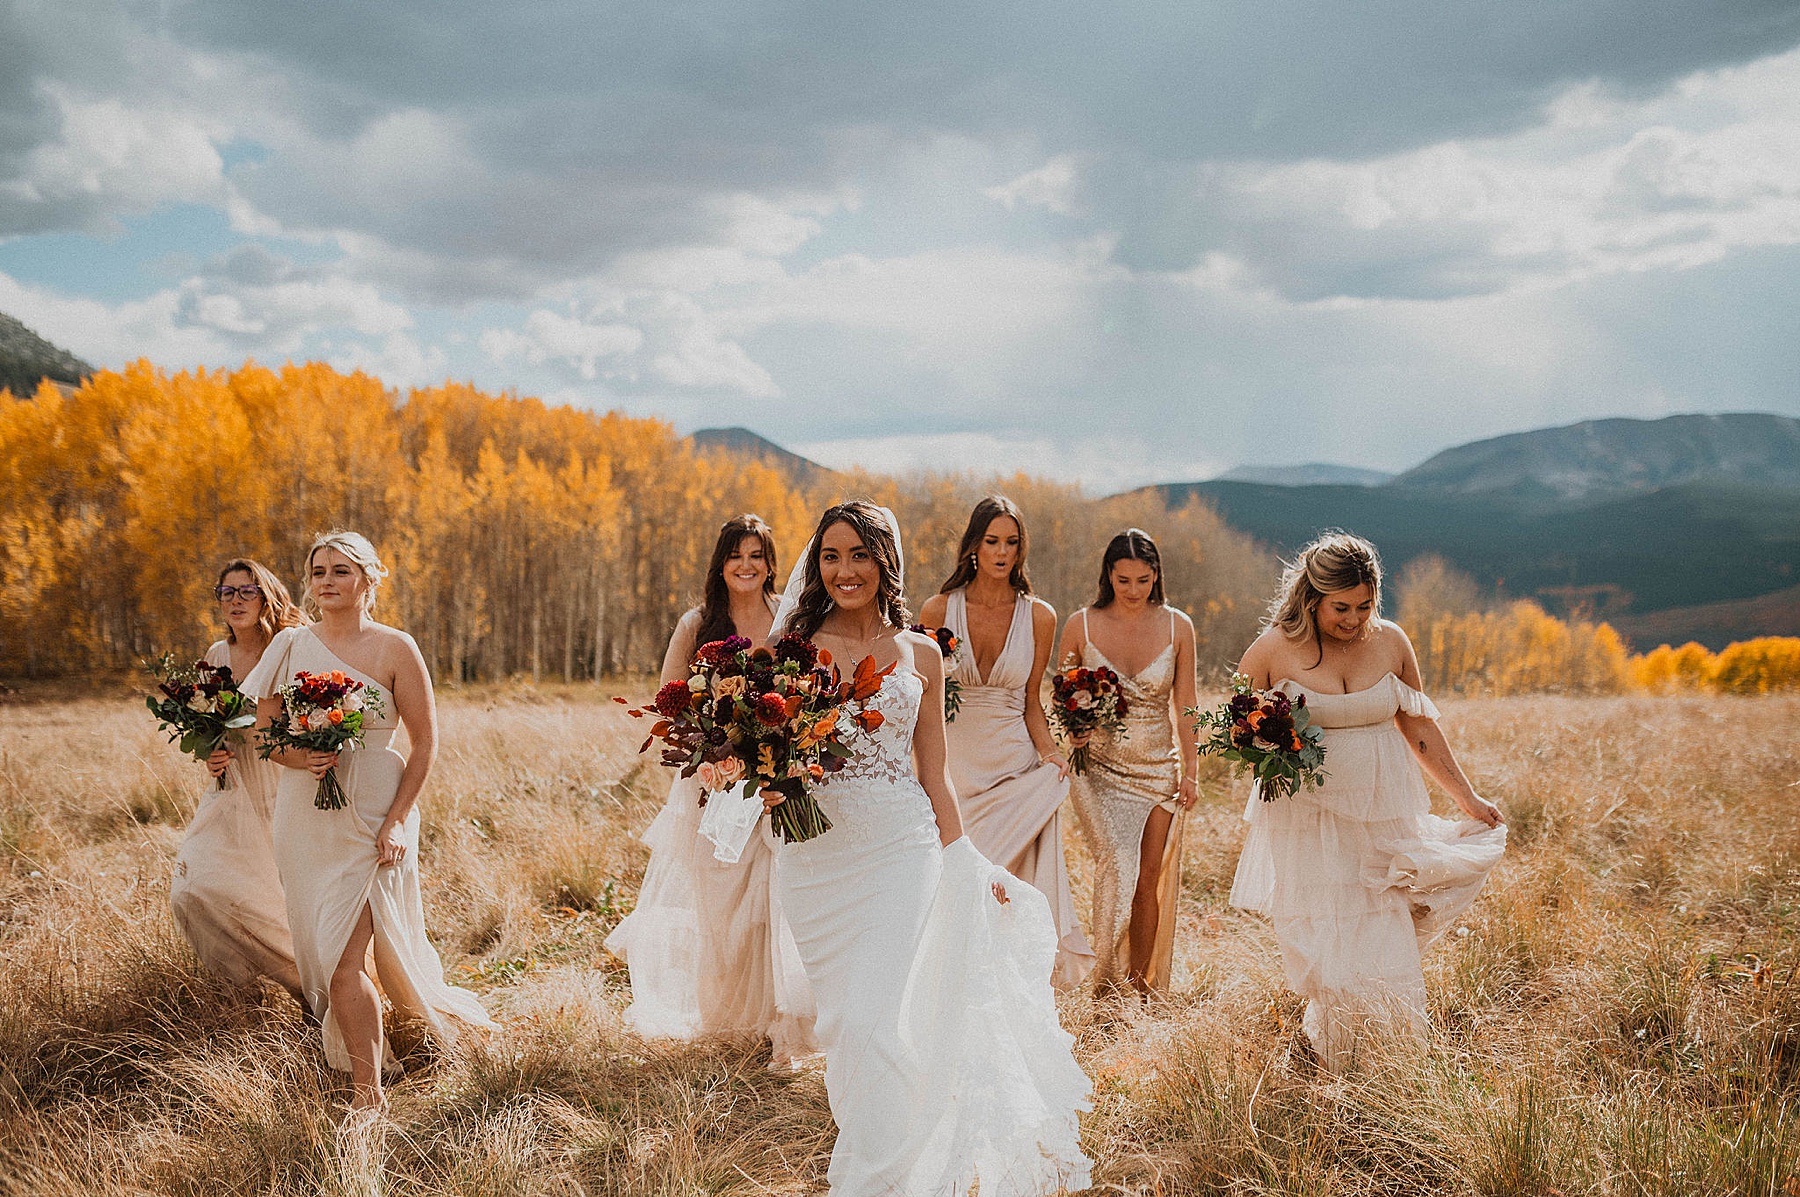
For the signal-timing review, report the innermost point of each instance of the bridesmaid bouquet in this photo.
(771, 718)
(1267, 733)
(1087, 700)
(198, 705)
(322, 712)
(951, 647)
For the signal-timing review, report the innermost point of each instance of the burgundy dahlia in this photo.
(673, 700)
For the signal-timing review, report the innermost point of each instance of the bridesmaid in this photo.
(1134, 797)
(705, 943)
(1358, 875)
(352, 874)
(225, 895)
(1010, 777)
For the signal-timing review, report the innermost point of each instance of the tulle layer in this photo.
(658, 939)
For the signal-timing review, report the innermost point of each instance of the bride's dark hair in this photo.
(871, 527)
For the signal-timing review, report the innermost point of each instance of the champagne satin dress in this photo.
(328, 867)
(1011, 801)
(1127, 777)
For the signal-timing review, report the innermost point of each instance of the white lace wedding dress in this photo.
(945, 1062)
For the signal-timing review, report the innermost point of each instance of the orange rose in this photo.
(334, 718)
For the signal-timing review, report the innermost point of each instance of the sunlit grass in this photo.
(1616, 1015)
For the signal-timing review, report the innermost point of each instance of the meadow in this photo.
(1616, 1015)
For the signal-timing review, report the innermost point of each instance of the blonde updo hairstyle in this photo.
(1335, 562)
(362, 554)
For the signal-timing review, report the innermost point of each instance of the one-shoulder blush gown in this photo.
(944, 1061)
(1010, 800)
(1128, 777)
(328, 867)
(1358, 876)
(226, 893)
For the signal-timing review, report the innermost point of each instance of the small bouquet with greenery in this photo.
(951, 648)
(198, 705)
(772, 718)
(1086, 700)
(1267, 733)
(322, 712)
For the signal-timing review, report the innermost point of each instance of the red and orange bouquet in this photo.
(198, 705)
(1267, 733)
(771, 717)
(323, 712)
(1086, 700)
(951, 648)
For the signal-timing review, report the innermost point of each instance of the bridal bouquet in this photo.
(322, 712)
(1267, 733)
(951, 648)
(198, 705)
(1086, 700)
(771, 718)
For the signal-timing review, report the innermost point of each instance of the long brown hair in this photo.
(871, 526)
(986, 512)
(278, 607)
(1133, 544)
(715, 603)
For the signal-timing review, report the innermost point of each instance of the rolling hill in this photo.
(1685, 527)
(743, 441)
(26, 359)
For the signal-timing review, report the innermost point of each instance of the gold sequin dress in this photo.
(1126, 778)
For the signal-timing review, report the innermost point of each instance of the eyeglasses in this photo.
(249, 590)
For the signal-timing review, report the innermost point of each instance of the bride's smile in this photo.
(846, 567)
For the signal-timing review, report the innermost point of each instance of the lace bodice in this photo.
(885, 754)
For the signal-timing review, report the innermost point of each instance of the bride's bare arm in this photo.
(930, 750)
(1432, 748)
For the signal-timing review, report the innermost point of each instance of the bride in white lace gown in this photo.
(930, 966)
(1358, 876)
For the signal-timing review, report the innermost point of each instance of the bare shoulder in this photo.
(1181, 617)
(1392, 637)
(396, 645)
(1043, 615)
(1264, 651)
(936, 608)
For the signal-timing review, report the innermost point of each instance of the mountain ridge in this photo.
(26, 359)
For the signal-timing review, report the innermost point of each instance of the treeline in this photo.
(525, 540)
(1468, 645)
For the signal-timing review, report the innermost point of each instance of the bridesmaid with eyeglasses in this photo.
(226, 895)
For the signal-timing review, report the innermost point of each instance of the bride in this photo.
(944, 1061)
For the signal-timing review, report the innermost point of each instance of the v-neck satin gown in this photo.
(1011, 801)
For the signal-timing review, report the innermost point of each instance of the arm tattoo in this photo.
(1421, 747)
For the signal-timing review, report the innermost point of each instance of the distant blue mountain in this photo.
(1313, 473)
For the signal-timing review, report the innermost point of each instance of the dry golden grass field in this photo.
(1617, 1015)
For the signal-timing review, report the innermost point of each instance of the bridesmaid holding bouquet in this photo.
(1134, 794)
(352, 873)
(1009, 775)
(226, 894)
(706, 945)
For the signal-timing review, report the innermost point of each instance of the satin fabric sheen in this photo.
(226, 894)
(327, 861)
(1011, 802)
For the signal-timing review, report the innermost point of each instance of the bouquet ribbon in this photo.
(729, 820)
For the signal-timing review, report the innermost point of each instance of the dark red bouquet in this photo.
(1087, 700)
(1270, 734)
(769, 717)
(322, 712)
(198, 705)
(951, 648)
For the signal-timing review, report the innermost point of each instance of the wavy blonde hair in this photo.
(362, 554)
(1335, 562)
(278, 607)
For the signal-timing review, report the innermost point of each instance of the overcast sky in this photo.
(1115, 242)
